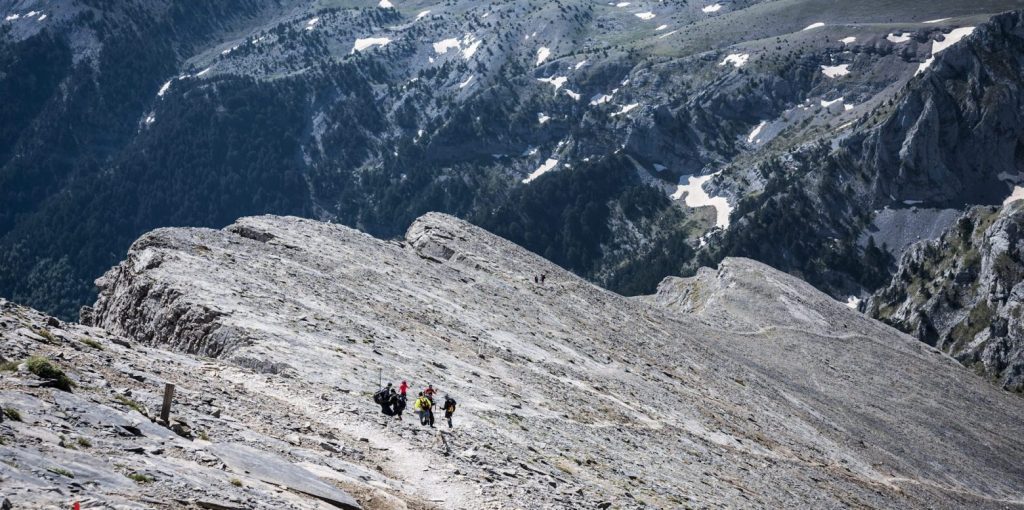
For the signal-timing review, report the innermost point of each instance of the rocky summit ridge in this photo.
(739, 387)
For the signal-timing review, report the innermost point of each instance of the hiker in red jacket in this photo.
(402, 388)
(429, 392)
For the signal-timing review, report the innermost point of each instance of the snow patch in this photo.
(541, 170)
(574, 95)
(736, 59)
(442, 47)
(752, 137)
(950, 39)
(622, 4)
(667, 34)
(848, 40)
(556, 81)
(697, 197)
(853, 302)
(385, 4)
(646, 16)
(312, 23)
(474, 44)
(368, 42)
(12, 17)
(41, 18)
(164, 88)
(836, 71)
(466, 82)
(626, 109)
(151, 118)
(812, 26)
(542, 118)
(660, 28)
(933, 21)
(422, 15)
(898, 38)
(542, 54)
(579, 65)
(601, 99)
(712, 8)
(1018, 194)
(955, 36)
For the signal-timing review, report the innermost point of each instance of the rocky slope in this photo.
(741, 387)
(962, 293)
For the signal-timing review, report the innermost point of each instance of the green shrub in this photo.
(84, 442)
(236, 482)
(12, 414)
(141, 478)
(130, 403)
(45, 333)
(92, 343)
(61, 471)
(43, 368)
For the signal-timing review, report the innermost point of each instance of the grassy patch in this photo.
(45, 369)
(141, 478)
(9, 366)
(131, 403)
(84, 442)
(203, 435)
(45, 333)
(236, 482)
(61, 471)
(12, 414)
(92, 343)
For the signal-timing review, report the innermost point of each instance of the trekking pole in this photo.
(380, 378)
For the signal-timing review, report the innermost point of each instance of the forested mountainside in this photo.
(624, 141)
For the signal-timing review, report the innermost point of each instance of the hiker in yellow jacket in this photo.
(425, 407)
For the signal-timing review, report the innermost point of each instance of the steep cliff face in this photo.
(963, 293)
(954, 137)
(759, 392)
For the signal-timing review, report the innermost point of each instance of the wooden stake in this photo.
(165, 411)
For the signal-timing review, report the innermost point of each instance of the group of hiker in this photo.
(392, 403)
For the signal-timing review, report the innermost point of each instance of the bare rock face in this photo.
(964, 293)
(99, 442)
(741, 387)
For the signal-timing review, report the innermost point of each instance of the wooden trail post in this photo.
(165, 411)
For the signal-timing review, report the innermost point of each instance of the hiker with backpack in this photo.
(383, 398)
(397, 404)
(449, 409)
(424, 405)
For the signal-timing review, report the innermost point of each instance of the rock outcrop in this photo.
(100, 443)
(964, 293)
(741, 387)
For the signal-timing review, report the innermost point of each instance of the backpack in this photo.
(381, 396)
(449, 405)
